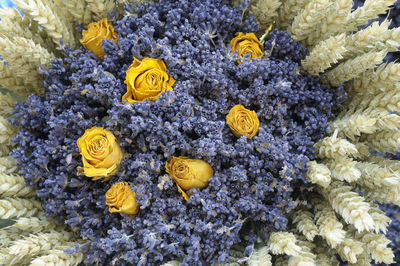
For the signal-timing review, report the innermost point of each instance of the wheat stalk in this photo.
(6, 104)
(24, 54)
(17, 207)
(370, 10)
(265, 11)
(76, 9)
(373, 175)
(381, 79)
(8, 165)
(306, 21)
(328, 225)
(35, 245)
(318, 174)
(324, 54)
(43, 12)
(57, 256)
(332, 147)
(280, 243)
(305, 257)
(260, 256)
(10, 80)
(100, 8)
(350, 205)
(350, 249)
(377, 246)
(343, 169)
(353, 68)
(332, 23)
(14, 185)
(380, 219)
(7, 131)
(304, 221)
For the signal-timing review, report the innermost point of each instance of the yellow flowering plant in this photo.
(120, 198)
(242, 121)
(101, 153)
(247, 44)
(94, 35)
(189, 173)
(146, 79)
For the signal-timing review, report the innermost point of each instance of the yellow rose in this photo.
(94, 35)
(120, 198)
(247, 44)
(101, 153)
(146, 80)
(242, 121)
(189, 173)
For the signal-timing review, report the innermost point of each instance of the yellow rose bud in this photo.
(146, 80)
(242, 121)
(94, 35)
(101, 153)
(189, 173)
(120, 198)
(247, 44)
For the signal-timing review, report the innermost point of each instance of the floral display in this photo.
(199, 132)
(174, 100)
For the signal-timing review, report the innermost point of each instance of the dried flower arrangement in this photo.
(172, 132)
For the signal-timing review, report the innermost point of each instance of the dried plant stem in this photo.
(14, 185)
(15, 208)
(353, 68)
(43, 12)
(328, 225)
(304, 221)
(324, 54)
(332, 23)
(288, 11)
(382, 79)
(265, 11)
(350, 205)
(370, 10)
(306, 21)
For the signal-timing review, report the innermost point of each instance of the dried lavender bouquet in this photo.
(189, 131)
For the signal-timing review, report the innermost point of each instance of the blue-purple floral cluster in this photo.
(256, 181)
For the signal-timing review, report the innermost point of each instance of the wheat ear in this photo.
(306, 21)
(44, 13)
(324, 54)
(14, 185)
(353, 68)
(350, 205)
(370, 10)
(332, 23)
(280, 243)
(17, 207)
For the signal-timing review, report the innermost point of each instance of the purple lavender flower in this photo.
(256, 181)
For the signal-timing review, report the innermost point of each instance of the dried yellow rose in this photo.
(120, 198)
(247, 44)
(242, 121)
(146, 79)
(101, 153)
(94, 35)
(189, 173)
